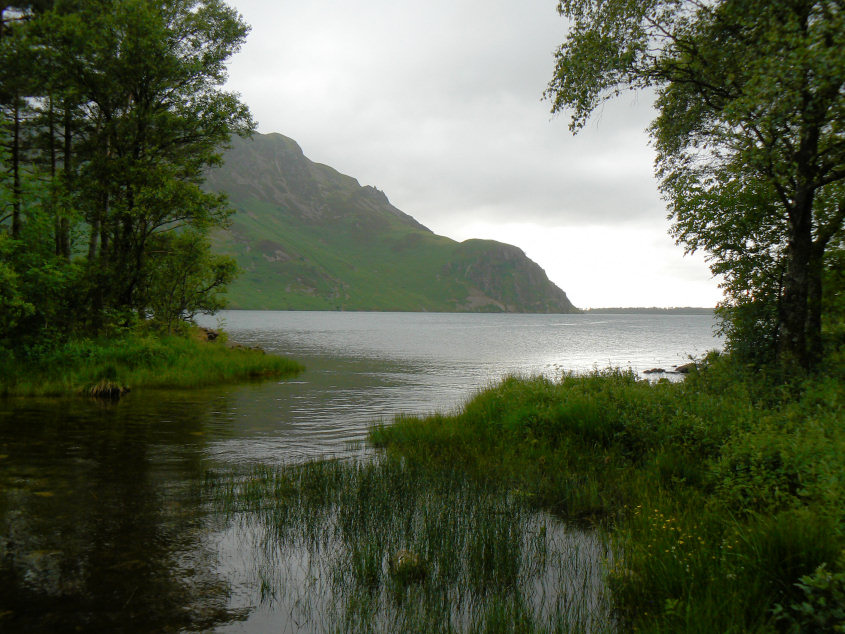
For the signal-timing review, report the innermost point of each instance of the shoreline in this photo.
(110, 367)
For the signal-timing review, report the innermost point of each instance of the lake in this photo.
(102, 521)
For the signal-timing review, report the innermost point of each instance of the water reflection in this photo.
(99, 521)
(101, 524)
(327, 542)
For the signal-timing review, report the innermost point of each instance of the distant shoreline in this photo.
(654, 310)
(681, 310)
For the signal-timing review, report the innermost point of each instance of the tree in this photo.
(13, 307)
(185, 278)
(113, 110)
(749, 136)
(149, 74)
(16, 85)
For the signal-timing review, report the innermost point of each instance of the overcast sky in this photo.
(439, 104)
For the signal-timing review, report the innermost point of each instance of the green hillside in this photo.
(310, 238)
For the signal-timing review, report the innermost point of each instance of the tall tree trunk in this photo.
(94, 235)
(816, 298)
(797, 282)
(814, 306)
(105, 207)
(64, 221)
(17, 192)
(54, 203)
(105, 244)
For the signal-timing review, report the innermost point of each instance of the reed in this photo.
(388, 546)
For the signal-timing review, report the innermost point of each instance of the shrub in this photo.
(822, 606)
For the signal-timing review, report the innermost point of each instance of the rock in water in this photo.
(407, 566)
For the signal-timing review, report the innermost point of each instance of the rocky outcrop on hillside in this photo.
(504, 271)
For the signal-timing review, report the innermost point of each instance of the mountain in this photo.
(310, 238)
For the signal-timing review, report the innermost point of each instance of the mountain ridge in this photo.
(308, 237)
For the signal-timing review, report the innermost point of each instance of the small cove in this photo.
(102, 521)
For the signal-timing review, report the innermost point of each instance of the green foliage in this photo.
(778, 465)
(186, 278)
(111, 113)
(13, 307)
(749, 142)
(833, 309)
(720, 492)
(822, 608)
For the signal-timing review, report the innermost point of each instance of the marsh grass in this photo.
(137, 361)
(327, 536)
(719, 495)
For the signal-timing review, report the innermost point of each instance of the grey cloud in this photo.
(439, 105)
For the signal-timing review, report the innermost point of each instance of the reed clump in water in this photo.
(388, 546)
(107, 389)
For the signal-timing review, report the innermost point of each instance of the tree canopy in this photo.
(110, 113)
(750, 140)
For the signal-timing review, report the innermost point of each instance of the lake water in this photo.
(102, 526)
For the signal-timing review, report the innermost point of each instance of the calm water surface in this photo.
(101, 522)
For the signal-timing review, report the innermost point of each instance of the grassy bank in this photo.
(135, 361)
(722, 495)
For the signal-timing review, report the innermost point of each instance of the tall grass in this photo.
(386, 546)
(135, 361)
(722, 496)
